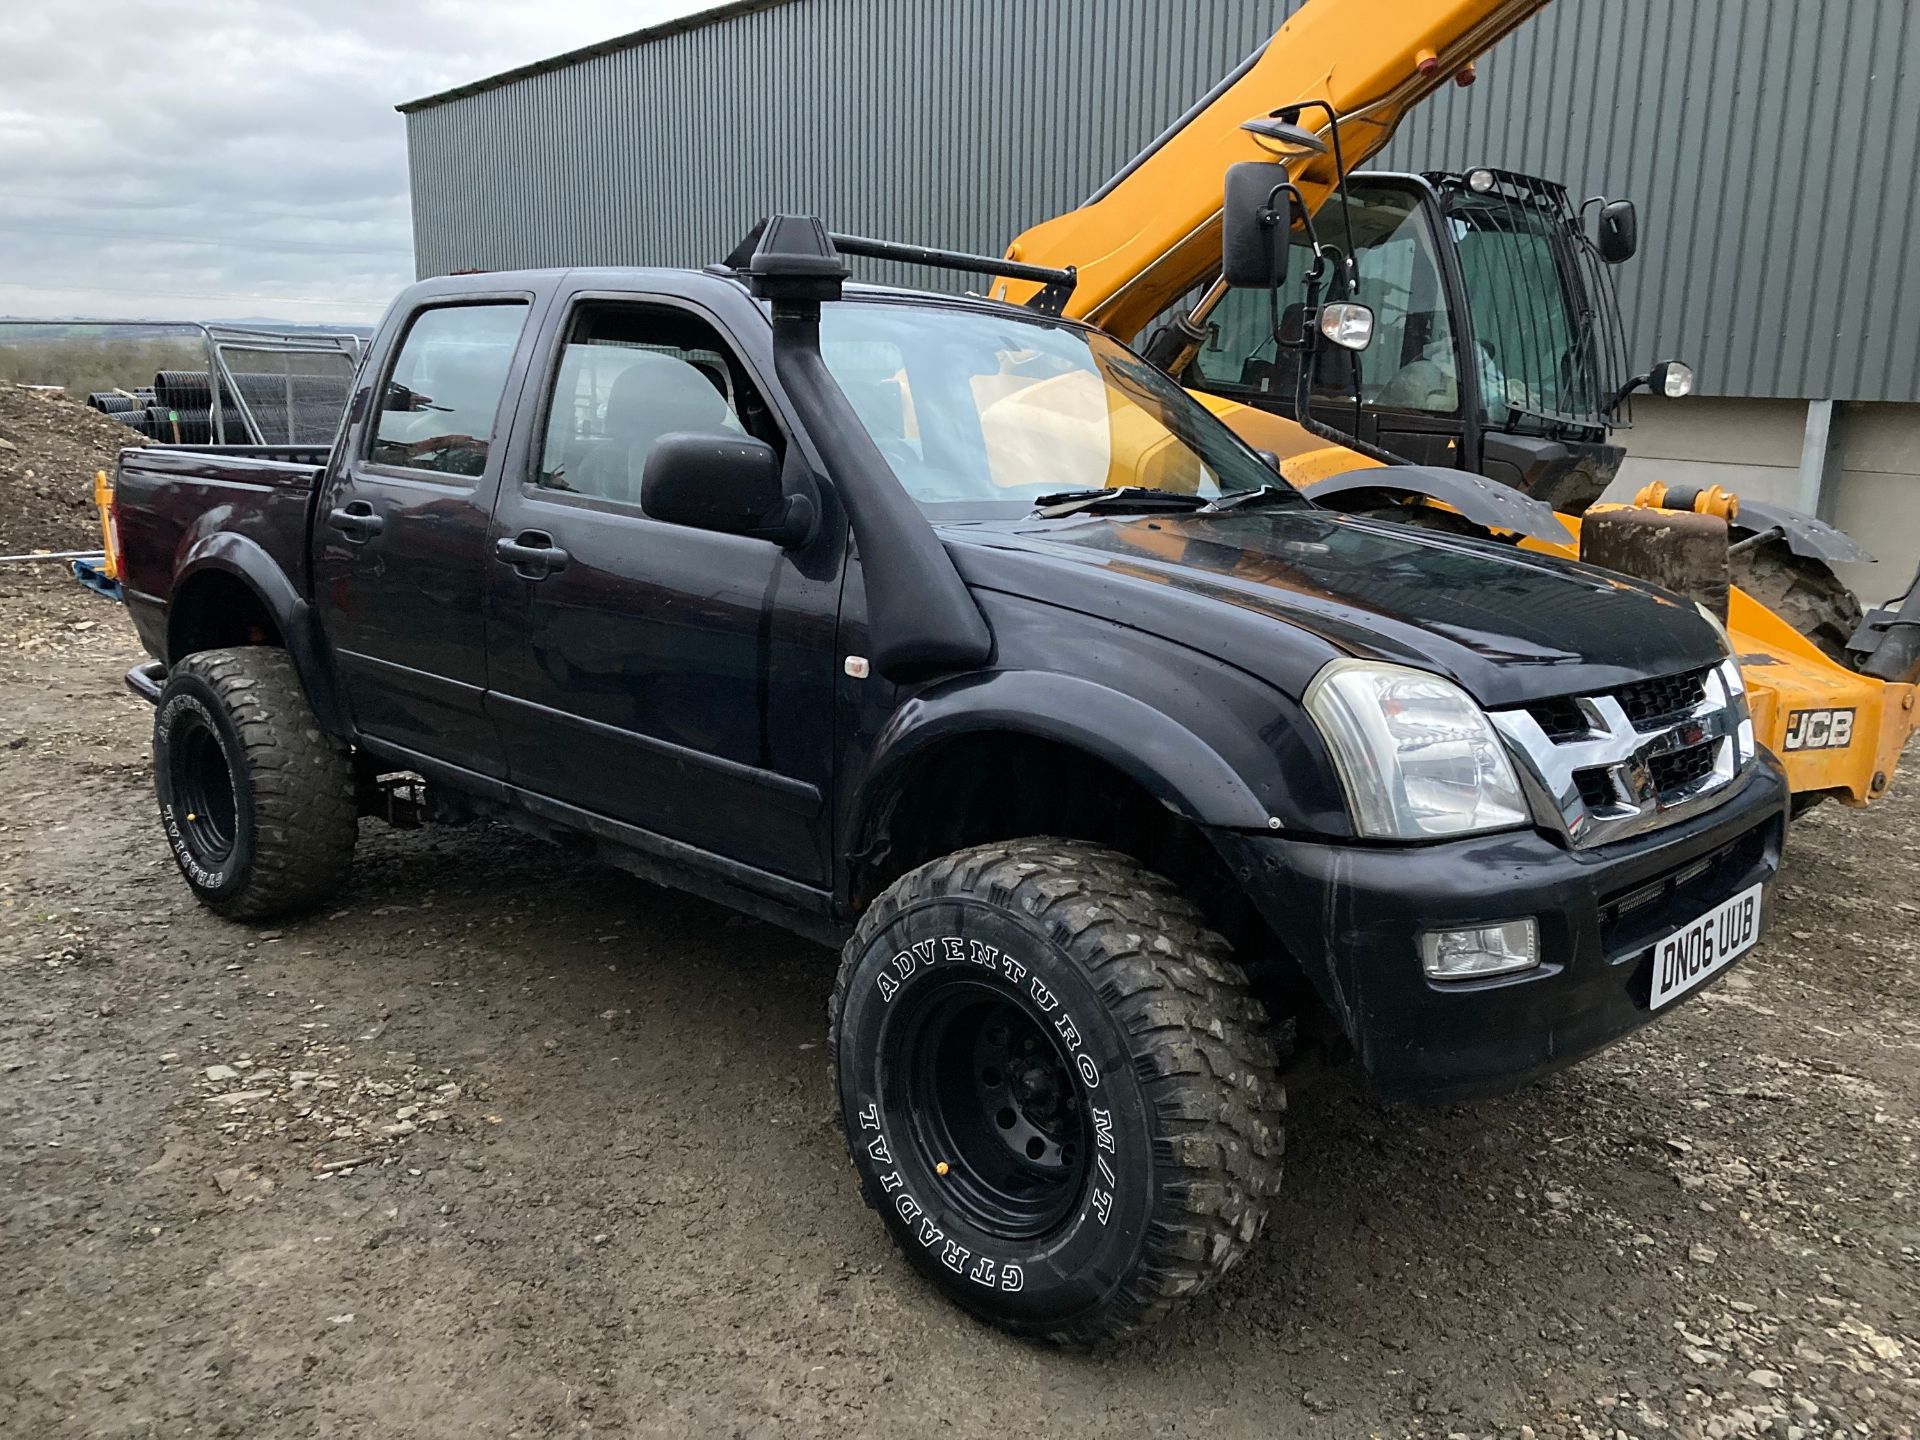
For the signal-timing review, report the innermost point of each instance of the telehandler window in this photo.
(1522, 315)
(1411, 364)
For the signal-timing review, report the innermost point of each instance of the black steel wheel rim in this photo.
(990, 1094)
(205, 807)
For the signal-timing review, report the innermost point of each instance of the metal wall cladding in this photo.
(1771, 147)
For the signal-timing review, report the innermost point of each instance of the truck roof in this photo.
(677, 280)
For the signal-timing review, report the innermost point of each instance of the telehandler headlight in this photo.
(1347, 325)
(1417, 758)
(1673, 379)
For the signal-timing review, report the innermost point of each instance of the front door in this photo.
(400, 561)
(675, 680)
(1404, 391)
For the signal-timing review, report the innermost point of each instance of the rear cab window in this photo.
(441, 401)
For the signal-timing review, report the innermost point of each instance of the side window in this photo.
(1409, 366)
(444, 393)
(1239, 353)
(628, 375)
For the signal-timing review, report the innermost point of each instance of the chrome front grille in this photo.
(1621, 763)
(1652, 703)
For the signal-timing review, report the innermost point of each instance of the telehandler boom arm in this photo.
(1153, 231)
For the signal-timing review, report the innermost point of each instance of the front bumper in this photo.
(1351, 915)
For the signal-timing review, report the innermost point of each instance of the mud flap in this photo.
(1677, 549)
(1887, 644)
(1804, 535)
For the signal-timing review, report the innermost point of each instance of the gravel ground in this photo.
(50, 447)
(509, 1144)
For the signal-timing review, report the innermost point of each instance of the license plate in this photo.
(1708, 945)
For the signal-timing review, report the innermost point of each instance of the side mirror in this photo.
(725, 482)
(1619, 231)
(1256, 226)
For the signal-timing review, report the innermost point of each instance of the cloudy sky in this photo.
(220, 159)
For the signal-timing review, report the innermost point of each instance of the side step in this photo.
(146, 681)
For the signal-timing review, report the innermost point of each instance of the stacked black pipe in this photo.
(129, 407)
(178, 407)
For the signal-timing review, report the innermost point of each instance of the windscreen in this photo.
(1541, 314)
(976, 406)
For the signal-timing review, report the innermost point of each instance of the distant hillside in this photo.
(15, 329)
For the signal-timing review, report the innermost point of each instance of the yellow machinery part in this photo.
(1788, 676)
(1714, 500)
(109, 533)
(1304, 457)
(1155, 233)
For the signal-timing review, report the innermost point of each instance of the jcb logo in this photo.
(1819, 729)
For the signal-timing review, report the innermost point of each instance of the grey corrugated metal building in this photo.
(1772, 149)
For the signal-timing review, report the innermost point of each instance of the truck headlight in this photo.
(1417, 757)
(1745, 744)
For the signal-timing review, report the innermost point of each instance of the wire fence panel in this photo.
(191, 384)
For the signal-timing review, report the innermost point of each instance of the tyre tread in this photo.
(305, 810)
(1199, 1041)
(1804, 592)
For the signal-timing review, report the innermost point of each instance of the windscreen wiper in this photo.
(1244, 499)
(1121, 499)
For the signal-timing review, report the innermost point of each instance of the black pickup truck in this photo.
(955, 634)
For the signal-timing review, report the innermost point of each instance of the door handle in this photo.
(532, 554)
(356, 520)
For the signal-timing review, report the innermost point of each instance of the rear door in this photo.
(400, 558)
(678, 681)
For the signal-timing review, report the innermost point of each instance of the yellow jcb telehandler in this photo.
(1440, 345)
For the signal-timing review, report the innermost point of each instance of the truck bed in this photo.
(172, 500)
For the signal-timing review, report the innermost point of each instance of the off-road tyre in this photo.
(256, 801)
(1164, 1114)
(1802, 591)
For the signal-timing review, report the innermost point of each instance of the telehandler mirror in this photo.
(1619, 231)
(1255, 226)
(722, 481)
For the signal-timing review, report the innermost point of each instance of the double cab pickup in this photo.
(954, 634)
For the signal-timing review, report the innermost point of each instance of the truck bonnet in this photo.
(1509, 627)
